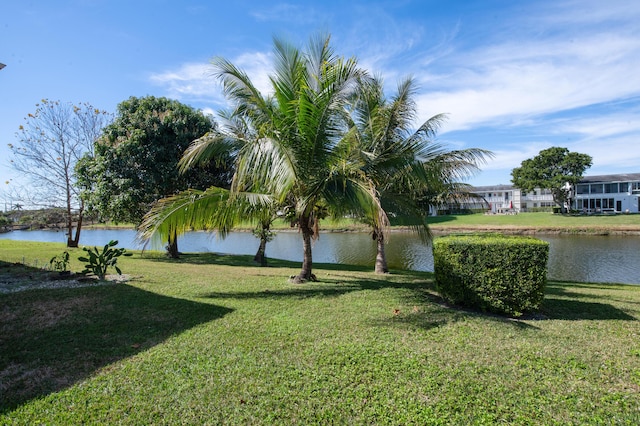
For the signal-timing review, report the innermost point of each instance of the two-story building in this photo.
(508, 199)
(608, 193)
(618, 193)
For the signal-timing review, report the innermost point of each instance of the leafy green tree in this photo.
(298, 157)
(135, 161)
(556, 169)
(50, 143)
(406, 166)
(4, 221)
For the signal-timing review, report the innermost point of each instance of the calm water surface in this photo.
(571, 258)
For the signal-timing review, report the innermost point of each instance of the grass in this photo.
(541, 222)
(213, 339)
(545, 221)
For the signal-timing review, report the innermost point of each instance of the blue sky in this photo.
(514, 77)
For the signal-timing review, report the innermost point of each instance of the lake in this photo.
(571, 258)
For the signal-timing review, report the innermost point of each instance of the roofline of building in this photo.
(621, 177)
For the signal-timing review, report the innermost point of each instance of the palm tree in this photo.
(214, 209)
(406, 167)
(299, 154)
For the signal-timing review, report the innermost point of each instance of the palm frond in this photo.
(267, 165)
(212, 147)
(237, 85)
(183, 212)
(215, 209)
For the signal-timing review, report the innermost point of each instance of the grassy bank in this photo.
(540, 221)
(533, 222)
(213, 339)
(529, 222)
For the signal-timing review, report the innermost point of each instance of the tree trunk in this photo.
(70, 239)
(307, 262)
(76, 238)
(172, 245)
(381, 257)
(260, 256)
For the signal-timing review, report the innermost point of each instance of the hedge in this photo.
(496, 273)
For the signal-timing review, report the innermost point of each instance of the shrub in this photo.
(60, 262)
(97, 262)
(497, 273)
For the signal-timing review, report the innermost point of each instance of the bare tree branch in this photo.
(50, 143)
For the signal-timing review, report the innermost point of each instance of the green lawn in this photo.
(213, 339)
(542, 221)
(539, 220)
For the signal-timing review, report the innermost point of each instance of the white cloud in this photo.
(592, 12)
(258, 67)
(622, 120)
(208, 112)
(195, 81)
(502, 84)
(610, 152)
(513, 155)
(190, 81)
(562, 57)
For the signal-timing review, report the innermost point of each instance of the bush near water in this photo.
(492, 272)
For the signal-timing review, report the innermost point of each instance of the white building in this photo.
(508, 199)
(593, 194)
(608, 193)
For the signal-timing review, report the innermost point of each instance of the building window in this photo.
(582, 189)
(610, 188)
(608, 203)
(596, 189)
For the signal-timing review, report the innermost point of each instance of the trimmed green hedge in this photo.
(497, 273)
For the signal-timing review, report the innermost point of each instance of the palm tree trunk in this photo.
(260, 256)
(381, 257)
(306, 273)
(172, 245)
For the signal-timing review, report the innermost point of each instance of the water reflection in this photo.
(595, 258)
(572, 258)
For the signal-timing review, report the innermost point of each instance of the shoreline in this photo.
(444, 230)
(527, 230)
